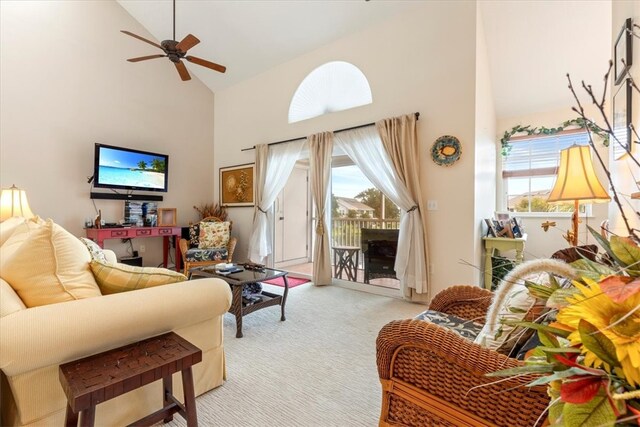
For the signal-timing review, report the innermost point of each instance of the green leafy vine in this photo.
(578, 122)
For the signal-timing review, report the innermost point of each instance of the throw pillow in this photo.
(122, 278)
(9, 301)
(194, 235)
(20, 227)
(214, 235)
(9, 226)
(94, 250)
(49, 266)
(513, 303)
(465, 328)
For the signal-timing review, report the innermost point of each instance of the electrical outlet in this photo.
(432, 205)
(143, 248)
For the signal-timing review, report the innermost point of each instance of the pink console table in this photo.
(99, 235)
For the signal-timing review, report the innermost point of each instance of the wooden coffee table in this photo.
(101, 377)
(238, 281)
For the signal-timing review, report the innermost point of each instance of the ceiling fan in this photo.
(176, 51)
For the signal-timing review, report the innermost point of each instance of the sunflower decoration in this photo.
(614, 344)
(589, 352)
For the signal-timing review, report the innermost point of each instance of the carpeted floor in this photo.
(317, 368)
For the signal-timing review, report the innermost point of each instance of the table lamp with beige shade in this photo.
(577, 181)
(13, 202)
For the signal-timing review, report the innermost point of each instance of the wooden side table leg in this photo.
(488, 273)
(167, 392)
(189, 398)
(165, 251)
(88, 417)
(70, 418)
(519, 255)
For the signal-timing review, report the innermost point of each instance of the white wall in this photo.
(65, 85)
(485, 147)
(624, 170)
(421, 61)
(542, 244)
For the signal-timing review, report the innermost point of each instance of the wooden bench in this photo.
(101, 377)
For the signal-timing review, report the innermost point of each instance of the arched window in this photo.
(334, 86)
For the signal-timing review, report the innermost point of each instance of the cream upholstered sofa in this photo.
(35, 341)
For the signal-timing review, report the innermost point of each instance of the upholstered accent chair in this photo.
(209, 243)
(435, 376)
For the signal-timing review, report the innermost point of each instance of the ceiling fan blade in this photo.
(182, 70)
(187, 43)
(144, 58)
(205, 63)
(141, 38)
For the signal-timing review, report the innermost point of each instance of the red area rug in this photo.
(293, 281)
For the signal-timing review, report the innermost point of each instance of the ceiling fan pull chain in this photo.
(174, 19)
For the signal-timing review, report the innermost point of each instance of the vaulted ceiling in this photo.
(531, 44)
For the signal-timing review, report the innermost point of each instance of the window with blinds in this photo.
(530, 169)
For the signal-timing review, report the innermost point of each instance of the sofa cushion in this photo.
(47, 265)
(197, 255)
(118, 277)
(214, 235)
(465, 328)
(95, 251)
(10, 302)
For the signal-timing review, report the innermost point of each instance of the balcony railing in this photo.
(346, 231)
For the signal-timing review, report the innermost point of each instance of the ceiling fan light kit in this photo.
(176, 51)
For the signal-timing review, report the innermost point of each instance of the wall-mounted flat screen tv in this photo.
(125, 168)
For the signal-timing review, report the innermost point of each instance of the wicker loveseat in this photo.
(431, 376)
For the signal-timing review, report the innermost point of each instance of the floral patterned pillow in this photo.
(214, 235)
(194, 235)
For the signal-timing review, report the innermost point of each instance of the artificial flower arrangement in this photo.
(589, 351)
(589, 331)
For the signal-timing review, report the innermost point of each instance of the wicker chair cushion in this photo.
(214, 235)
(465, 328)
(198, 255)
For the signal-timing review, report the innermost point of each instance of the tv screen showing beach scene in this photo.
(117, 167)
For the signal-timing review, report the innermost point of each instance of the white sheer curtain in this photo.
(365, 148)
(273, 167)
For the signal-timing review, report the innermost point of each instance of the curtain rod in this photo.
(335, 131)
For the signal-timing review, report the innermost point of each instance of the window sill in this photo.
(566, 215)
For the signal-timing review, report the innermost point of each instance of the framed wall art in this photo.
(237, 186)
(623, 52)
(622, 120)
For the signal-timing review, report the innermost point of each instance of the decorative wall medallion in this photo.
(446, 150)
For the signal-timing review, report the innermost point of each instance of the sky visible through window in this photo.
(348, 181)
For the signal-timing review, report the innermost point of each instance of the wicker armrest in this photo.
(467, 302)
(184, 246)
(231, 247)
(439, 364)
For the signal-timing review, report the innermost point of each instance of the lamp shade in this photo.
(577, 179)
(13, 202)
